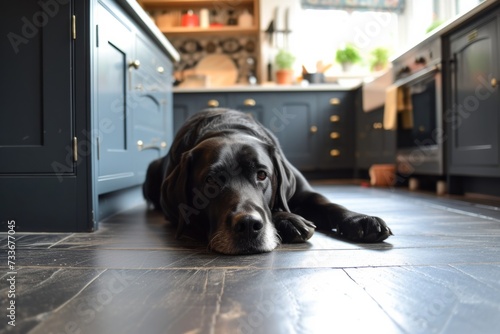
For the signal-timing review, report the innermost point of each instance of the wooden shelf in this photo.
(185, 31)
(194, 4)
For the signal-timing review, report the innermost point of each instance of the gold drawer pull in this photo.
(377, 125)
(314, 129)
(249, 102)
(334, 101)
(335, 135)
(494, 82)
(213, 103)
(334, 118)
(334, 153)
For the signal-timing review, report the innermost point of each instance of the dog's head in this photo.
(227, 187)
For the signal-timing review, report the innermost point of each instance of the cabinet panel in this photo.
(115, 147)
(474, 125)
(36, 94)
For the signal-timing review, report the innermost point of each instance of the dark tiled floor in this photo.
(438, 274)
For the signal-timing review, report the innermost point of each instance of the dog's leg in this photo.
(328, 216)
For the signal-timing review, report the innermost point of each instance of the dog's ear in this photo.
(285, 180)
(176, 194)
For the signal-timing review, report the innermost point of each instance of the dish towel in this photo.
(398, 100)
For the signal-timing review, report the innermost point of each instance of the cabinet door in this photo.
(113, 97)
(374, 145)
(43, 180)
(251, 103)
(292, 119)
(151, 98)
(35, 121)
(474, 121)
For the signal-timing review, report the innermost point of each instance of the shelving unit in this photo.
(182, 5)
(210, 40)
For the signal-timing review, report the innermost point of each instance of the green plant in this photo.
(284, 60)
(379, 58)
(349, 54)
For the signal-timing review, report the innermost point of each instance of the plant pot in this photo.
(284, 77)
(346, 67)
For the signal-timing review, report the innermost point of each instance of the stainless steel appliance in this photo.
(420, 139)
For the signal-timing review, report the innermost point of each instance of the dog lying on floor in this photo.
(225, 177)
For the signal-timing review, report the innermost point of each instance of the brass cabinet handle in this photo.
(135, 64)
(494, 82)
(213, 103)
(334, 101)
(334, 118)
(334, 153)
(249, 102)
(377, 125)
(335, 135)
(314, 129)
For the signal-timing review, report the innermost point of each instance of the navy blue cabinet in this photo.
(133, 101)
(473, 113)
(80, 115)
(315, 128)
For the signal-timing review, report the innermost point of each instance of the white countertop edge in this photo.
(268, 88)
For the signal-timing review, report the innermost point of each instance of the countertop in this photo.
(272, 87)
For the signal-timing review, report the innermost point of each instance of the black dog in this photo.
(227, 178)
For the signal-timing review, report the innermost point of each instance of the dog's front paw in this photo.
(292, 228)
(364, 229)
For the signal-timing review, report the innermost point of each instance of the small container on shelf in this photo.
(190, 19)
(245, 20)
(204, 18)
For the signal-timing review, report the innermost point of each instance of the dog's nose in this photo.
(248, 225)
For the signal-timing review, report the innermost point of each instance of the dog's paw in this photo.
(364, 229)
(292, 228)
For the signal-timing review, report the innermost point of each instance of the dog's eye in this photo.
(261, 175)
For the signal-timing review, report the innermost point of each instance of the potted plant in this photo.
(347, 56)
(284, 61)
(379, 58)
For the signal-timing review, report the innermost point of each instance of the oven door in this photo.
(420, 131)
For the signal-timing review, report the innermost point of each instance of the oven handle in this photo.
(418, 76)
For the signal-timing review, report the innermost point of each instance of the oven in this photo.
(419, 131)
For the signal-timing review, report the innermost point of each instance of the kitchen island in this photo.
(314, 123)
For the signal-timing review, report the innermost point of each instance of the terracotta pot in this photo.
(284, 77)
(382, 175)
